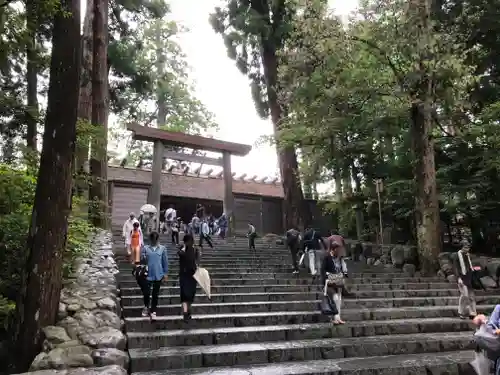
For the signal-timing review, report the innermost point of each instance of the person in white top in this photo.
(170, 217)
(205, 234)
(127, 228)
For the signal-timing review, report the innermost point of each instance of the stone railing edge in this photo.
(88, 337)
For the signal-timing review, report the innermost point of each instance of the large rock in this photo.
(104, 337)
(446, 263)
(409, 269)
(110, 356)
(55, 335)
(61, 358)
(398, 256)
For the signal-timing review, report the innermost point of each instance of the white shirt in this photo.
(128, 226)
(205, 229)
(173, 214)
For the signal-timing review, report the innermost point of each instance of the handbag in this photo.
(488, 342)
(336, 279)
(140, 272)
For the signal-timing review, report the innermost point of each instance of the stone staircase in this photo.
(263, 320)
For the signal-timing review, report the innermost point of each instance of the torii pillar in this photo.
(228, 202)
(162, 138)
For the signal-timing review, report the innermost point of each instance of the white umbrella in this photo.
(203, 279)
(149, 209)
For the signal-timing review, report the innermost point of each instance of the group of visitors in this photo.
(150, 263)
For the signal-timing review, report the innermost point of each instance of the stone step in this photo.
(223, 273)
(235, 335)
(286, 295)
(294, 305)
(128, 287)
(439, 363)
(214, 269)
(174, 281)
(299, 350)
(354, 278)
(140, 324)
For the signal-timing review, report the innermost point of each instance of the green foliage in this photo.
(348, 89)
(148, 67)
(17, 191)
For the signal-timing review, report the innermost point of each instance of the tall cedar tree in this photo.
(31, 75)
(422, 125)
(38, 300)
(85, 104)
(254, 33)
(98, 159)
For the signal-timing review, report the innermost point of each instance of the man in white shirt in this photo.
(170, 217)
(205, 234)
(128, 226)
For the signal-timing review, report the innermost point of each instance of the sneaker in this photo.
(152, 316)
(295, 272)
(145, 312)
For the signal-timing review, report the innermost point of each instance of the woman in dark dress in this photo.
(188, 263)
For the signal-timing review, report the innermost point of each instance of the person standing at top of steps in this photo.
(128, 226)
(205, 235)
(464, 273)
(170, 218)
(175, 232)
(314, 245)
(293, 244)
(252, 235)
(189, 257)
(155, 257)
(222, 223)
(333, 272)
(195, 224)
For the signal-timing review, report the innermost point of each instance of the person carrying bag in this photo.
(333, 272)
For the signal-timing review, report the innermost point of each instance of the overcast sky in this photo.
(223, 89)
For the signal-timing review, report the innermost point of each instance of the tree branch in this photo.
(382, 56)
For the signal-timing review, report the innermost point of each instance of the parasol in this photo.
(203, 279)
(149, 209)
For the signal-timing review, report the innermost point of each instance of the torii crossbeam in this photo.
(161, 138)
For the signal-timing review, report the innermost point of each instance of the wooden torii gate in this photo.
(162, 138)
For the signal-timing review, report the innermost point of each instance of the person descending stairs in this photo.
(264, 320)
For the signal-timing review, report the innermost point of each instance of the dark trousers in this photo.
(175, 238)
(293, 246)
(251, 242)
(207, 239)
(146, 288)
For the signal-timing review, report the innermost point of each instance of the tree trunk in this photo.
(338, 184)
(98, 159)
(297, 212)
(38, 300)
(31, 77)
(85, 103)
(426, 199)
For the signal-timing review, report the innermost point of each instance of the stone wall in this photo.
(88, 337)
(389, 255)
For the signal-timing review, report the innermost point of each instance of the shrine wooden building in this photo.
(258, 200)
